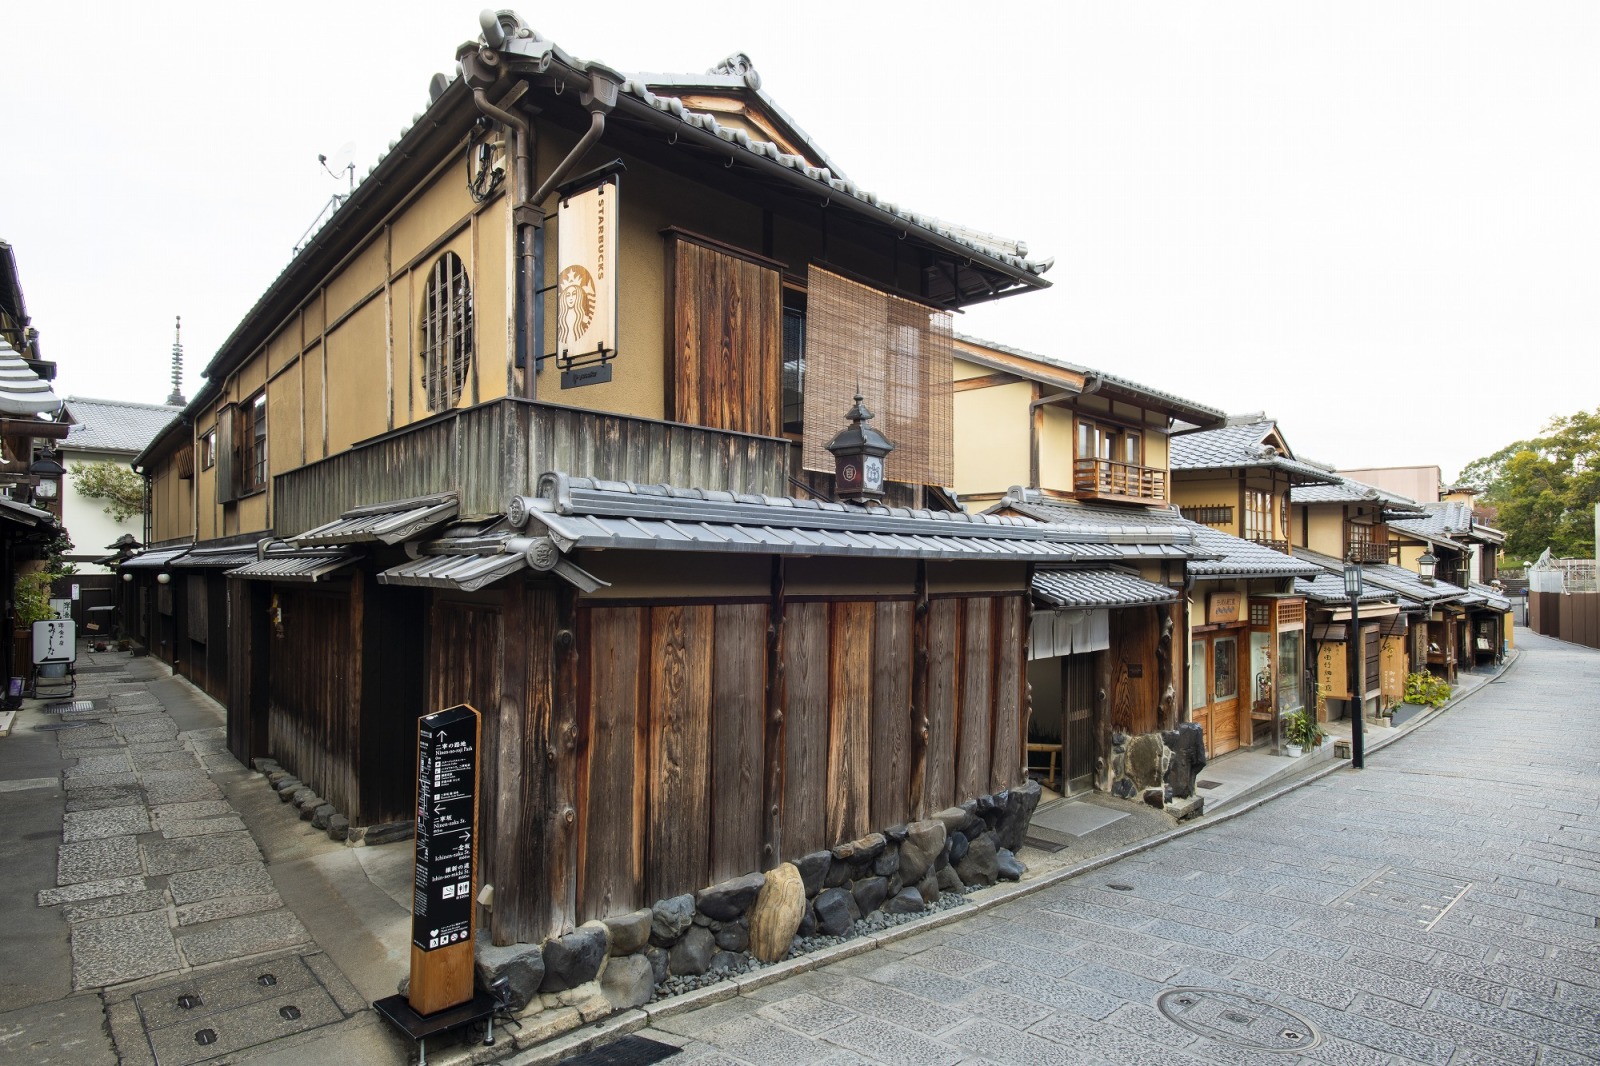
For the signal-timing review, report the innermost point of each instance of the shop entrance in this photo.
(1214, 689)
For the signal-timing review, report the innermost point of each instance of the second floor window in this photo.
(446, 332)
(1257, 515)
(1099, 441)
(208, 450)
(251, 433)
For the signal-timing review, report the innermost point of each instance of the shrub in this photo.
(1423, 688)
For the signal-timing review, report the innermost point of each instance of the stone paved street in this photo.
(1438, 907)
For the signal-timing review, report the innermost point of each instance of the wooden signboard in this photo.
(55, 641)
(1222, 608)
(446, 852)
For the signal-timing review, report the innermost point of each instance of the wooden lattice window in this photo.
(446, 332)
(250, 433)
(1291, 612)
(1209, 516)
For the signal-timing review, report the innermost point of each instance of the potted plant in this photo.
(1302, 732)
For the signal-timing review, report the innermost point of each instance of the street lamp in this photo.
(49, 472)
(1427, 565)
(1352, 588)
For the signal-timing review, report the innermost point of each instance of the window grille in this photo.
(1208, 516)
(252, 437)
(446, 332)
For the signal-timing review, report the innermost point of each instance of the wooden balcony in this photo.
(490, 452)
(1107, 479)
(1362, 550)
(1280, 546)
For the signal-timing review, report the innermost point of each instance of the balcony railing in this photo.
(490, 452)
(1109, 479)
(1280, 546)
(1366, 544)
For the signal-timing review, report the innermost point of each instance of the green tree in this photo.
(1544, 490)
(115, 483)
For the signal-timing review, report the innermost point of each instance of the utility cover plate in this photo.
(1239, 1020)
(217, 1013)
(629, 1051)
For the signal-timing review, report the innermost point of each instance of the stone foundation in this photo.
(1160, 768)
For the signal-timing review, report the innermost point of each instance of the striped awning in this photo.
(294, 564)
(387, 523)
(22, 392)
(211, 558)
(155, 559)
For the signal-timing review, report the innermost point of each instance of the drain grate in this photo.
(71, 707)
(1400, 894)
(629, 1051)
(1239, 1020)
(1208, 784)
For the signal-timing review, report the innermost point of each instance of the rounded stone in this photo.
(833, 911)
(691, 955)
(574, 959)
(629, 932)
(728, 900)
(669, 918)
(776, 913)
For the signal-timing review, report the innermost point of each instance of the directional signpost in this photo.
(447, 825)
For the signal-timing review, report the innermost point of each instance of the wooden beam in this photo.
(30, 427)
(772, 798)
(987, 381)
(917, 797)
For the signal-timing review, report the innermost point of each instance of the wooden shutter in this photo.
(227, 479)
(727, 337)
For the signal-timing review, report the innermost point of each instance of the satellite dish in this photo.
(340, 159)
(436, 87)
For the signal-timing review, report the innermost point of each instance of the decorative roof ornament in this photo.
(739, 65)
(176, 398)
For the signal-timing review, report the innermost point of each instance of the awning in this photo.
(292, 564)
(22, 514)
(1100, 587)
(467, 573)
(155, 559)
(386, 523)
(228, 557)
(22, 391)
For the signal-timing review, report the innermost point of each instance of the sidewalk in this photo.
(147, 869)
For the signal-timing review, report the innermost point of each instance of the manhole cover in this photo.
(629, 1051)
(1237, 1019)
(223, 1012)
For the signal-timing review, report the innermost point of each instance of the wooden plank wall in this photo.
(673, 735)
(1135, 699)
(310, 725)
(727, 339)
(486, 452)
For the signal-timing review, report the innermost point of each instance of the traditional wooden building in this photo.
(574, 320)
(1463, 551)
(1046, 438)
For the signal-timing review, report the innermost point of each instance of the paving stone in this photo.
(98, 799)
(107, 822)
(195, 853)
(112, 950)
(248, 935)
(97, 860)
(167, 760)
(888, 1043)
(111, 906)
(174, 828)
(76, 784)
(229, 906)
(191, 886)
(117, 886)
(179, 786)
(189, 811)
(90, 765)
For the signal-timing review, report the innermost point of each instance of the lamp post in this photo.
(1352, 588)
(1427, 567)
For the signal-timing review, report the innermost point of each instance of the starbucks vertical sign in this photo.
(586, 284)
(446, 852)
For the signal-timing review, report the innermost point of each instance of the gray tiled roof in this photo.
(1243, 445)
(114, 425)
(1233, 556)
(1450, 521)
(1394, 578)
(386, 523)
(1130, 532)
(22, 391)
(1327, 588)
(1099, 587)
(1349, 490)
(1215, 414)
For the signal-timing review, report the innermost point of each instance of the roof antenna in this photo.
(176, 399)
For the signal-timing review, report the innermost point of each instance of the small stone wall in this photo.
(1160, 768)
(726, 929)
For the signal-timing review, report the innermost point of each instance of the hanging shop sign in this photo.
(55, 641)
(446, 843)
(1222, 608)
(586, 284)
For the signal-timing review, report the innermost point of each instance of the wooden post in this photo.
(561, 841)
(511, 773)
(918, 798)
(446, 851)
(772, 797)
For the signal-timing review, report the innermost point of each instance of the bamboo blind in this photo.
(899, 355)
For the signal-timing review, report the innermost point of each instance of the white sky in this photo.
(1378, 222)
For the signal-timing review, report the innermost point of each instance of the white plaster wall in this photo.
(90, 528)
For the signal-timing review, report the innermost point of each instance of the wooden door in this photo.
(1224, 669)
(1078, 721)
(1200, 687)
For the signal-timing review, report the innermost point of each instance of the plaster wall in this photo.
(86, 520)
(992, 438)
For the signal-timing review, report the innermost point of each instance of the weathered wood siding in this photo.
(311, 724)
(672, 732)
(492, 451)
(727, 339)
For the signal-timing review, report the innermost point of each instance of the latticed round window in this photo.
(446, 332)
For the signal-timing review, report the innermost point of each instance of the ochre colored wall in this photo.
(991, 445)
(1325, 530)
(172, 503)
(1056, 442)
(1208, 492)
